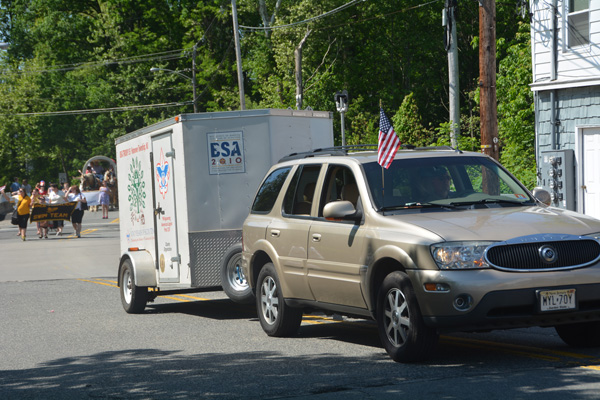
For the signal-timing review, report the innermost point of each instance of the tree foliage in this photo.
(68, 57)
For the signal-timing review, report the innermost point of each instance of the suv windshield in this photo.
(443, 182)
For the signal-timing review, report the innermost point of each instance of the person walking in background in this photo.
(74, 194)
(15, 186)
(23, 208)
(56, 197)
(42, 226)
(104, 199)
(26, 186)
(43, 188)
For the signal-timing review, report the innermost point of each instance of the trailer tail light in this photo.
(134, 249)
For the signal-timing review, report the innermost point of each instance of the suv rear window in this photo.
(267, 194)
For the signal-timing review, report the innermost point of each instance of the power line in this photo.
(167, 55)
(98, 110)
(360, 21)
(125, 108)
(328, 13)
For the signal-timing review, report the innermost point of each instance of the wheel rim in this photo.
(127, 286)
(269, 301)
(396, 317)
(235, 276)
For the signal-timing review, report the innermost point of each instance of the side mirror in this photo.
(542, 195)
(341, 210)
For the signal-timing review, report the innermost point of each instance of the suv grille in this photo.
(543, 255)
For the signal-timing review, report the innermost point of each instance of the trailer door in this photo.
(165, 223)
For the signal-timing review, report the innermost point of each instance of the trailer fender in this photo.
(144, 270)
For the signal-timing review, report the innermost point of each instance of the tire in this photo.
(233, 281)
(584, 334)
(276, 318)
(402, 331)
(133, 298)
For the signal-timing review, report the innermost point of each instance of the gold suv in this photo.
(443, 240)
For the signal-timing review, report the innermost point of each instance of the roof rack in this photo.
(344, 150)
(437, 148)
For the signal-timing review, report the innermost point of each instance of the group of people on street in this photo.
(26, 198)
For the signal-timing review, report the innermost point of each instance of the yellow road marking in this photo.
(105, 280)
(528, 351)
(84, 232)
(192, 297)
(114, 221)
(174, 298)
(315, 319)
(96, 282)
(594, 367)
(498, 347)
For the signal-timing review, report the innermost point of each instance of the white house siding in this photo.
(572, 63)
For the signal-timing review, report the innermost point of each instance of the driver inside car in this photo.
(434, 184)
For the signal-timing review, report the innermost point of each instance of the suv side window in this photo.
(301, 191)
(340, 184)
(267, 194)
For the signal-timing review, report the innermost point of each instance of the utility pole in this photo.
(487, 91)
(449, 22)
(238, 54)
(487, 78)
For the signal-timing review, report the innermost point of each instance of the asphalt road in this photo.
(64, 335)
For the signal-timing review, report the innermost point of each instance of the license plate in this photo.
(556, 300)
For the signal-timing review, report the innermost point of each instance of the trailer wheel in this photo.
(233, 279)
(276, 317)
(133, 297)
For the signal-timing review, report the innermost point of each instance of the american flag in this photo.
(388, 141)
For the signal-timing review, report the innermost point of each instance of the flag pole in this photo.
(382, 169)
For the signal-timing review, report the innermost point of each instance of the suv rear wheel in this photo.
(401, 328)
(276, 318)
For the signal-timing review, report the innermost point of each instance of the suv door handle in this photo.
(275, 233)
(316, 237)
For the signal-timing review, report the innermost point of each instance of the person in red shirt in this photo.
(43, 189)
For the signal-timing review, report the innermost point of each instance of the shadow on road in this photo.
(158, 374)
(217, 309)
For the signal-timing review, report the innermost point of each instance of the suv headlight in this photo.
(460, 255)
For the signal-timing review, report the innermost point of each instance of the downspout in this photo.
(553, 92)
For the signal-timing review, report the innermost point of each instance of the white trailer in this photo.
(185, 188)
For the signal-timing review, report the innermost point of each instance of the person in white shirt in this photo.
(56, 196)
(74, 194)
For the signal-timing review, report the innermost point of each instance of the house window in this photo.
(579, 22)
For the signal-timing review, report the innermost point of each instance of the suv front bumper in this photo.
(502, 300)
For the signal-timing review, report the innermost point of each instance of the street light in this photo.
(3, 46)
(155, 69)
(341, 103)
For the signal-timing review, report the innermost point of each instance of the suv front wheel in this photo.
(276, 318)
(403, 333)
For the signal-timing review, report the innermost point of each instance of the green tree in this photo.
(70, 55)
(516, 115)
